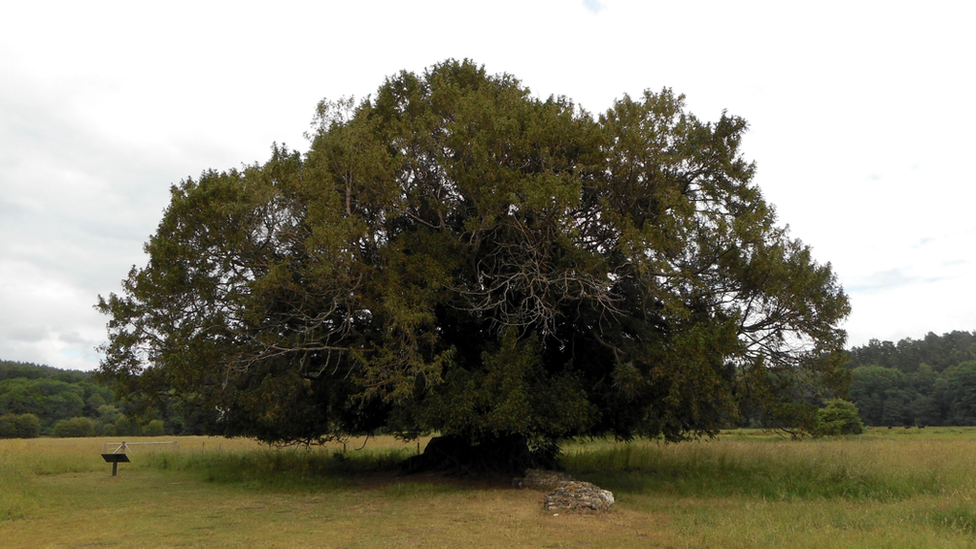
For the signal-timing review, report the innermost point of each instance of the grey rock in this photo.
(565, 493)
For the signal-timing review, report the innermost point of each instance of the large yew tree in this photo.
(454, 255)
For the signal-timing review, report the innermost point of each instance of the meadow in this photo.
(745, 489)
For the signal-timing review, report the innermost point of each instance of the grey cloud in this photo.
(73, 338)
(24, 333)
(887, 280)
(892, 278)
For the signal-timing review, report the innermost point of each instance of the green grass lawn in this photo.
(745, 489)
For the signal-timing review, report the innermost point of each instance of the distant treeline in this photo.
(40, 400)
(930, 381)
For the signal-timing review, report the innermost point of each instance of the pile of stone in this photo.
(566, 494)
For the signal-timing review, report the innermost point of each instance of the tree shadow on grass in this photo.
(315, 470)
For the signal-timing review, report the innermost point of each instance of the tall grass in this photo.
(892, 489)
(289, 469)
(848, 468)
(18, 496)
(53, 456)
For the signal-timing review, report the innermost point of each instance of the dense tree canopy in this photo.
(40, 400)
(455, 255)
(838, 417)
(908, 355)
(927, 381)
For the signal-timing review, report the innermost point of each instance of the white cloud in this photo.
(594, 6)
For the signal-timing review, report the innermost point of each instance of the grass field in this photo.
(888, 488)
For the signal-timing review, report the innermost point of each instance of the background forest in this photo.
(38, 400)
(930, 381)
(923, 382)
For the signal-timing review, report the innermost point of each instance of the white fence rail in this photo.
(121, 447)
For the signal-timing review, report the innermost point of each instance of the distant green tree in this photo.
(838, 417)
(92, 403)
(155, 428)
(930, 409)
(898, 409)
(8, 426)
(74, 427)
(108, 413)
(17, 397)
(52, 395)
(29, 425)
(879, 394)
(19, 426)
(48, 398)
(125, 426)
(960, 394)
(27, 370)
(939, 352)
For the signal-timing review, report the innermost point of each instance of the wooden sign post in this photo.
(115, 459)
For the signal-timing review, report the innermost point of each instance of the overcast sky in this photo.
(861, 123)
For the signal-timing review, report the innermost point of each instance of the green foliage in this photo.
(915, 382)
(913, 392)
(838, 417)
(108, 413)
(125, 427)
(48, 398)
(155, 428)
(20, 426)
(908, 355)
(512, 394)
(879, 394)
(27, 370)
(960, 394)
(454, 254)
(74, 427)
(50, 395)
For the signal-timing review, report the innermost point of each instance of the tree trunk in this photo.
(508, 455)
